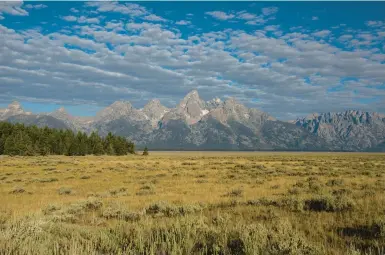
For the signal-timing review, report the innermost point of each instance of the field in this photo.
(194, 203)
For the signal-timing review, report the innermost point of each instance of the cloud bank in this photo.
(287, 73)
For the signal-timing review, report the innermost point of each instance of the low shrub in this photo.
(235, 193)
(118, 192)
(148, 189)
(64, 191)
(114, 212)
(335, 182)
(329, 203)
(17, 190)
(48, 180)
(164, 209)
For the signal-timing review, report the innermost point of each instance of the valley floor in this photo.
(194, 203)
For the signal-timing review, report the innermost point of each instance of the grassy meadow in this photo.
(194, 203)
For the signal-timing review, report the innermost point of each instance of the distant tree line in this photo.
(18, 139)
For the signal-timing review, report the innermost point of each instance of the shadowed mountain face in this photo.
(195, 124)
(349, 130)
(38, 120)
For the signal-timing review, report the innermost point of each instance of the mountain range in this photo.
(195, 124)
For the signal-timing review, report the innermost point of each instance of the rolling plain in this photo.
(194, 203)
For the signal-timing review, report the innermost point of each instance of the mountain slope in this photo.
(38, 120)
(195, 124)
(349, 130)
(73, 123)
(14, 113)
(13, 109)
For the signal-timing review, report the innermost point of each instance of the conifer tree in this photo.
(96, 144)
(2, 143)
(145, 151)
(98, 148)
(81, 144)
(18, 143)
(17, 139)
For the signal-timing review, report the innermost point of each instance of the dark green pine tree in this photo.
(145, 151)
(42, 145)
(131, 147)
(83, 144)
(18, 143)
(109, 144)
(110, 150)
(5, 132)
(73, 149)
(17, 139)
(120, 146)
(96, 144)
(3, 137)
(68, 138)
(10, 146)
(98, 148)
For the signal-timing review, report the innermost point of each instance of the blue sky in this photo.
(286, 58)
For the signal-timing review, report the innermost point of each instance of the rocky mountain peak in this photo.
(116, 110)
(153, 104)
(349, 116)
(351, 129)
(191, 98)
(232, 106)
(193, 93)
(192, 107)
(120, 105)
(214, 103)
(13, 109)
(62, 110)
(60, 113)
(218, 124)
(15, 106)
(154, 111)
(230, 101)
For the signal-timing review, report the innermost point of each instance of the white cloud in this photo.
(256, 22)
(322, 33)
(131, 9)
(375, 23)
(245, 15)
(154, 60)
(74, 10)
(114, 25)
(345, 38)
(220, 15)
(84, 19)
(153, 17)
(314, 18)
(36, 6)
(269, 11)
(271, 28)
(252, 19)
(142, 26)
(69, 18)
(81, 19)
(183, 22)
(12, 8)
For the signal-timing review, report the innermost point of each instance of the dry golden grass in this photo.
(335, 202)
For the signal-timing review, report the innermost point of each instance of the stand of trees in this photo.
(18, 139)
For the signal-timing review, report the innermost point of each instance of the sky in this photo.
(288, 59)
